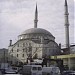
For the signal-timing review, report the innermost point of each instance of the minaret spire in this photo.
(36, 17)
(65, 2)
(66, 24)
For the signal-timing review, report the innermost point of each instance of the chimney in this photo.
(60, 45)
(10, 43)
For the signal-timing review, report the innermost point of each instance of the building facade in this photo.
(3, 55)
(68, 59)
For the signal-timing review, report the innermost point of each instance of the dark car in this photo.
(3, 70)
(67, 72)
(72, 73)
(20, 71)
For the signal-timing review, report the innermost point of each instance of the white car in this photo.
(10, 71)
(32, 70)
(50, 71)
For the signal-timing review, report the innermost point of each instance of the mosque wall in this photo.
(23, 48)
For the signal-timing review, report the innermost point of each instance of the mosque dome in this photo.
(36, 31)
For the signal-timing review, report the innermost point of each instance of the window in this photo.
(17, 50)
(12, 55)
(23, 55)
(18, 45)
(23, 44)
(26, 44)
(39, 68)
(12, 50)
(17, 55)
(23, 50)
(34, 68)
(21, 37)
(16, 62)
(11, 62)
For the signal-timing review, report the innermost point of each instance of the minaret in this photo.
(36, 18)
(66, 24)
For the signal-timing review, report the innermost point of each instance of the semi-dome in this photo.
(36, 31)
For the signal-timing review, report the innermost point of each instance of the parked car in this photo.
(4, 65)
(72, 74)
(20, 70)
(10, 71)
(50, 71)
(32, 70)
(12, 74)
(67, 72)
(3, 70)
(16, 69)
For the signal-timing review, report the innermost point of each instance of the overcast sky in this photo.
(17, 16)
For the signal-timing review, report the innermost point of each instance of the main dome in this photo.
(36, 31)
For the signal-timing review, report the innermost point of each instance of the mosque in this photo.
(38, 43)
(33, 43)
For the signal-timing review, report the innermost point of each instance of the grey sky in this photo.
(18, 15)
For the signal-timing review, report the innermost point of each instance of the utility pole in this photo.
(4, 60)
